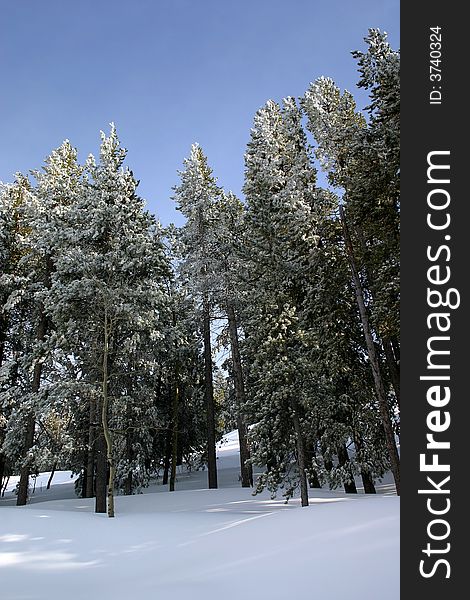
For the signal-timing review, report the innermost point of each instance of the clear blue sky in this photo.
(168, 73)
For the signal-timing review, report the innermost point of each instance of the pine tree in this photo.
(362, 158)
(107, 300)
(281, 220)
(11, 203)
(196, 197)
(32, 357)
(227, 268)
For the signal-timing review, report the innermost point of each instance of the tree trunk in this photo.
(387, 347)
(393, 367)
(2, 470)
(5, 484)
(101, 473)
(30, 419)
(174, 437)
(343, 459)
(301, 463)
(104, 416)
(51, 476)
(23, 485)
(367, 479)
(129, 454)
(209, 394)
(368, 482)
(374, 360)
(238, 383)
(90, 466)
(3, 337)
(166, 464)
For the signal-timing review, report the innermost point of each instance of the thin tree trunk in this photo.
(166, 464)
(2, 469)
(390, 358)
(366, 476)
(301, 463)
(90, 466)
(51, 476)
(101, 472)
(174, 437)
(343, 459)
(23, 484)
(238, 383)
(104, 416)
(5, 484)
(30, 419)
(129, 454)
(3, 337)
(209, 394)
(393, 367)
(374, 361)
(246, 469)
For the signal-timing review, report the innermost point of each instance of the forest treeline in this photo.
(107, 342)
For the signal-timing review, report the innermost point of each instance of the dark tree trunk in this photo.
(387, 346)
(174, 437)
(343, 459)
(108, 436)
(51, 476)
(101, 473)
(30, 420)
(301, 462)
(23, 485)
(2, 470)
(166, 464)
(128, 483)
(367, 479)
(246, 470)
(90, 465)
(368, 482)
(3, 332)
(4, 484)
(393, 367)
(374, 361)
(209, 394)
(85, 476)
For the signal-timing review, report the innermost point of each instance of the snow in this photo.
(200, 544)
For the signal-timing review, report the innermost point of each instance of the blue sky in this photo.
(168, 73)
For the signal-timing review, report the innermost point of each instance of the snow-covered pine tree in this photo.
(108, 303)
(227, 267)
(342, 398)
(196, 198)
(34, 365)
(12, 198)
(281, 221)
(362, 158)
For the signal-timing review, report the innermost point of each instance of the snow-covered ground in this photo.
(197, 543)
